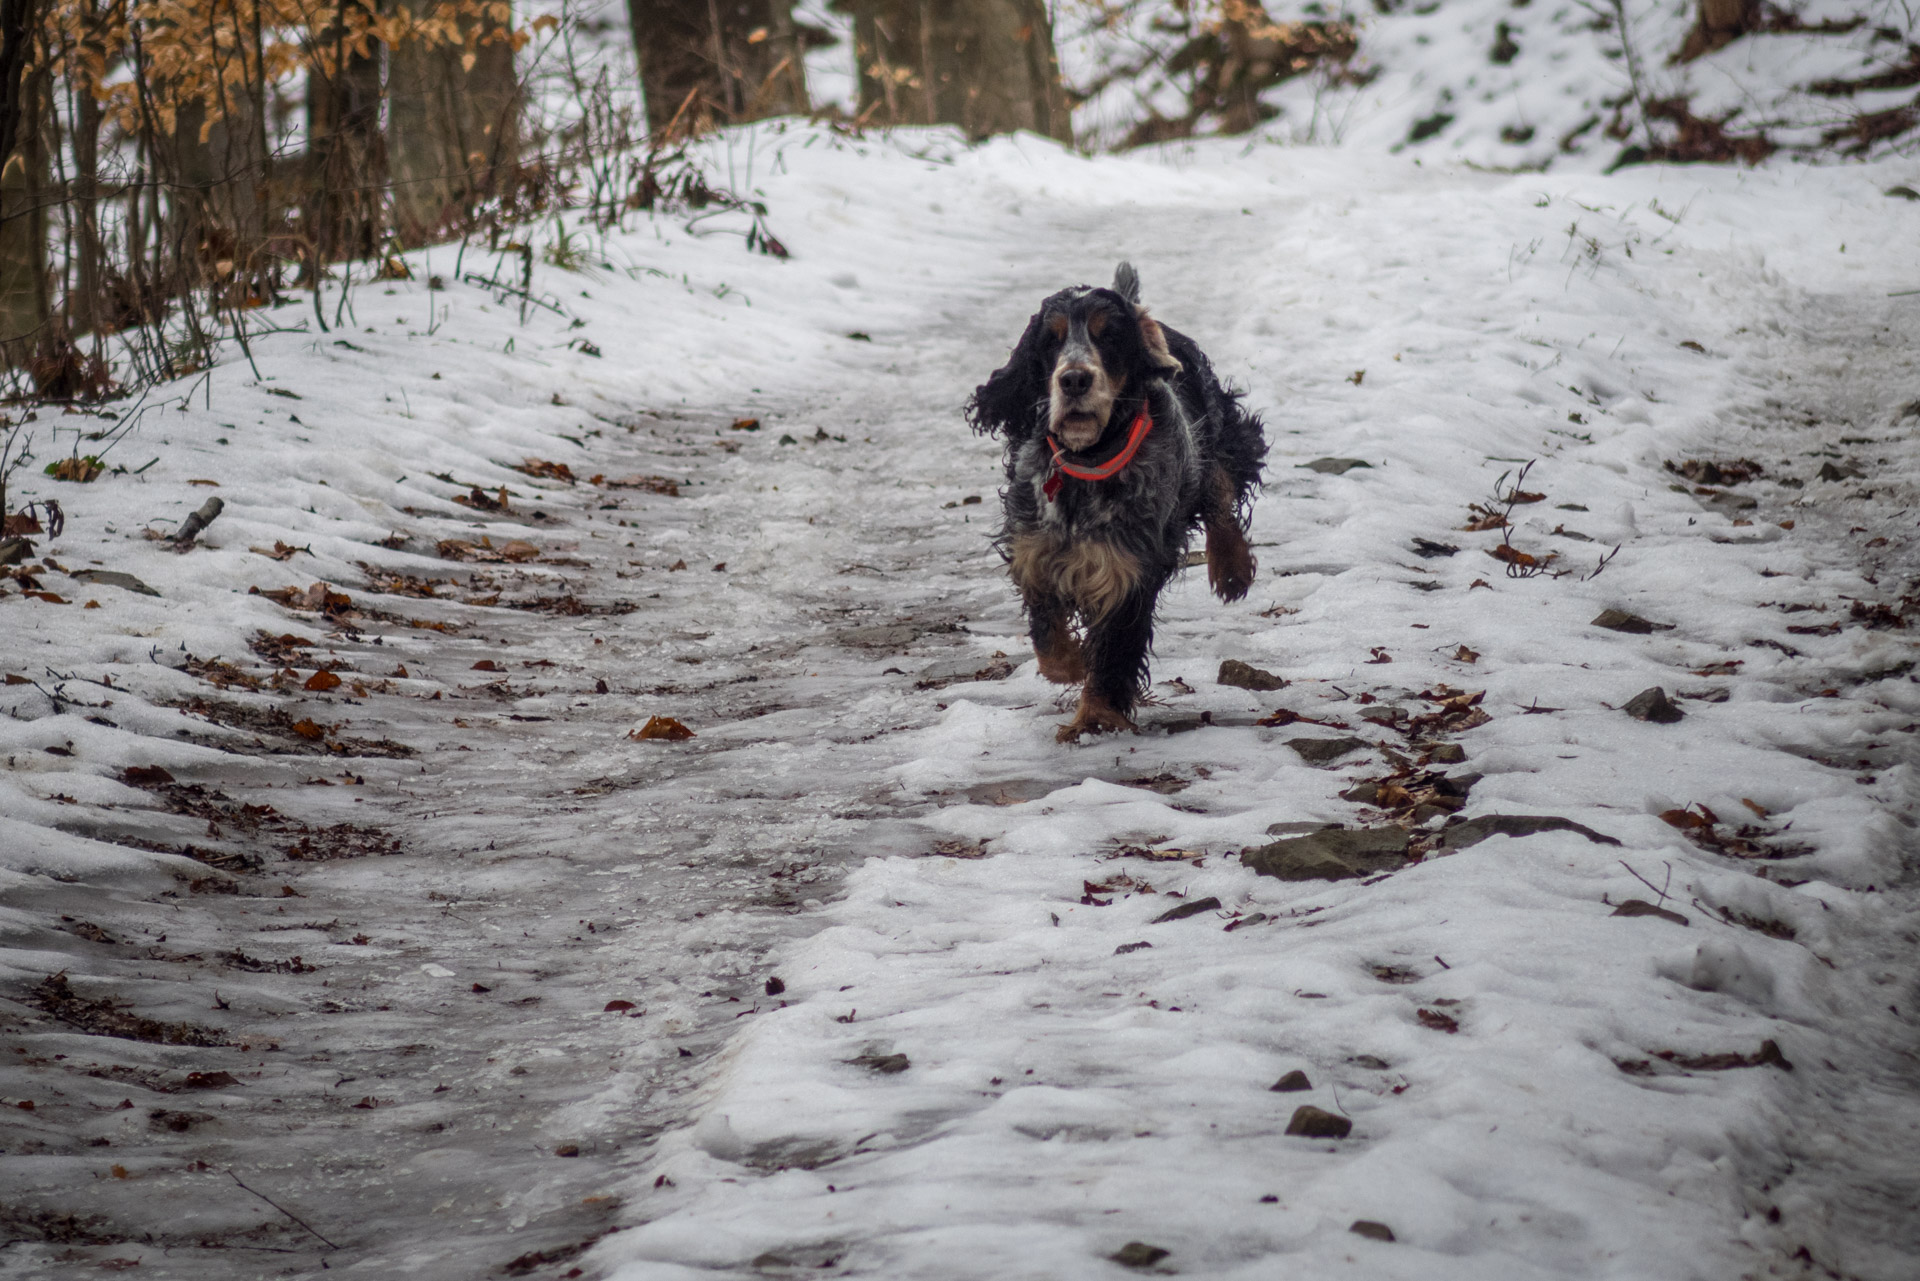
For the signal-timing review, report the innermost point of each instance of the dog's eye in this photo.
(1057, 327)
(1097, 323)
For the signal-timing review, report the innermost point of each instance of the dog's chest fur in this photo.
(1151, 501)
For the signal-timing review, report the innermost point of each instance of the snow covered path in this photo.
(1531, 1079)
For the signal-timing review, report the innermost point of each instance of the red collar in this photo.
(1105, 471)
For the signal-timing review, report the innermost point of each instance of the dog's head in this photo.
(1084, 352)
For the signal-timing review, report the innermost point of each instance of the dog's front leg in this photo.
(1049, 622)
(1116, 653)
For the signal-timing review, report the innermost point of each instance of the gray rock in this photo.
(1292, 1082)
(1446, 754)
(1314, 1123)
(959, 671)
(1298, 829)
(1475, 830)
(1360, 794)
(1640, 907)
(887, 1064)
(1618, 620)
(1371, 1230)
(1372, 1062)
(1332, 466)
(1321, 751)
(1653, 705)
(1246, 676)
(1732, 502)
(1830, 472)
(15, 549)
(1208, 904)
(1138, 1254)
(1336, 855)
(114, 578)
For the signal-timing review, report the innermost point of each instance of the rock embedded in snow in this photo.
(1619, 620)
(1246, 676)
(1322, 751)
(1332, 466)
(1208, 904)
(885, 1064)
(1291, 1083)
(1653, 705)
(1336, 855)
(1372, 1230)
(1475, 830)
(1317, 1123)
(1138, 1254)
(1640, 907)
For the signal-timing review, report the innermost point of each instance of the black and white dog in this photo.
(1120, 442)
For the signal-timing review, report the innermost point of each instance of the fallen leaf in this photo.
(1521, 496)
(1512, 555)
(1755, 806)
(1685, 820)
(1479, 582)
(518, 550)
(546, 470)
(662, 727)
(145, 776)
(308, 729)
(486, 665)
(213, 483)
(613, 1006)
(1438, 1022)
(12, 679)
(1465, 655)
(321, 681)
(1379, 655)
(745, 424)
(48, 597)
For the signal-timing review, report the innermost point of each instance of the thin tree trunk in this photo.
(453, 116)
(346, 154)
(986, 65)
(23, 155)
(713, 62)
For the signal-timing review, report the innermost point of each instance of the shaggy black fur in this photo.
(1199, 467)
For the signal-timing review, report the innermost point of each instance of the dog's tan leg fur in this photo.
(1061, 661)
(1230, 562)
(1096, 715)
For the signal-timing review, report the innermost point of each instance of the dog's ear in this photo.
(1154, 339)
(1126, 283)
(1013, 399)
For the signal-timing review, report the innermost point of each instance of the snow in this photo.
(1063, 1096)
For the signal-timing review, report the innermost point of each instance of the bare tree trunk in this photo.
(1720, 23)
(453, 116)
(986, 65)
(709, 62)
(346, 156)
(23, 168)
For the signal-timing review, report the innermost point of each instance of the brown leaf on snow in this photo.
(479, 500)
(48, 597)
(309, 729)
(1519, 496)
(322, 681)
(1438, 1022)
(614, 1006)
(280, 551)
(1465, 655)
(1687, 820)
(547, 471)
(1512, 555)
(487, 665)
(18, 524)
(518, 550)
(652, 484)
(1481, 524)
(745, 424)
(1379, 655)
(662, 727)
(1755, 806)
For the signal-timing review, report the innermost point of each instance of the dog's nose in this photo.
(1076, 382)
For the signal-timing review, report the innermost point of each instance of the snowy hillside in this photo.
(1535, 84)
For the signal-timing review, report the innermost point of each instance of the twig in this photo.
(284, 1210)
(1649, 884)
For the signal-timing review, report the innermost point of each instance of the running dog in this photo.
(1120, 442)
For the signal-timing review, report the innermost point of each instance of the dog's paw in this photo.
(1095, 716)
(1230, 563)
